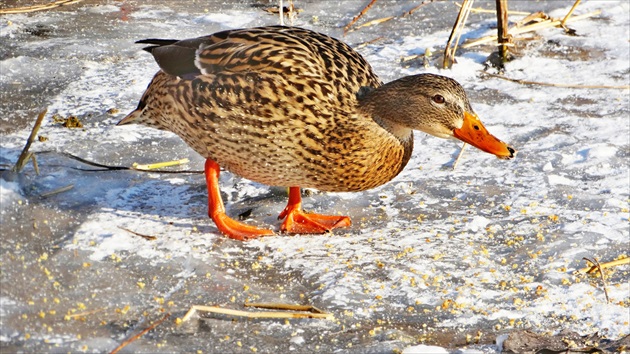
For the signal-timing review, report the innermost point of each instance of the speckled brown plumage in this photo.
(278, 105)
(287, 106)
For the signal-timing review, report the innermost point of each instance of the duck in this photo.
(291, 107)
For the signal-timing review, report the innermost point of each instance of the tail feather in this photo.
(156, 43)
(131, 118)
(140, 116)
(176, 57)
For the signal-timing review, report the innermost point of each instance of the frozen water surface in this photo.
(435, 259)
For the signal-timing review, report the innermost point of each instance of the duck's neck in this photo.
(383, 106)
(401, 132)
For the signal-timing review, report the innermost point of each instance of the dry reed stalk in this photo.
(526, 82)
(281, 12)
(480, 10)
(153, 166)
(57, 191)
(411, 57)
(361, 45)
(248, 314)
(460, 22)
(529, 28)
(601, 273)
(35, 165)
(459, 156)
(566, 18)
(279, 306)
(374, 22)
(425, 2)
(502, 29)
(357, 17)
(593, 268)
(292, 12)
(533, 17)
(25, 154)
(81, 314)
(24, 9)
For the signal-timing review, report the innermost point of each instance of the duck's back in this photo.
(273, 104)
(292, 52)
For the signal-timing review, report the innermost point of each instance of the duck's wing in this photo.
(286, 51)
(176, 57)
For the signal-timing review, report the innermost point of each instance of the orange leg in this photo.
(228, 226)
(299, 222)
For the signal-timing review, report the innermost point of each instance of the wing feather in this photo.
(293, 52)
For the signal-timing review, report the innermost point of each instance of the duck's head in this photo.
(434, 104)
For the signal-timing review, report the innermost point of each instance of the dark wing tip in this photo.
(150, 48)
(156, 43)
(174, 57)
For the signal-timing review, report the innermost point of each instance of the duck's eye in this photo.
(439, 99)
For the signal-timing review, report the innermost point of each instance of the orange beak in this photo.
(475, 134)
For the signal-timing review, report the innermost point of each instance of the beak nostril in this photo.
(476, 127)
(512, 151)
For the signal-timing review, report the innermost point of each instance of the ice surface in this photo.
(424, 349)
(434, 258)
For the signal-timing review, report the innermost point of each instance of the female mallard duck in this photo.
(287, 106)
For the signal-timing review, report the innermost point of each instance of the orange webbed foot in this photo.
(238, 230)
(298, 222)
(216, 210)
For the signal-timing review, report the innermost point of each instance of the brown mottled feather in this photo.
(288, 106)
(276, 105)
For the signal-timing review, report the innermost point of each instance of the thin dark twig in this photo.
(57, 191)
(146, 237)
(601, 273)
(361, 45)
(279, 306)
(127, 341)
(425, 2)
(106, 167)
(91, 163)
(357, 17)
(526, 82)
